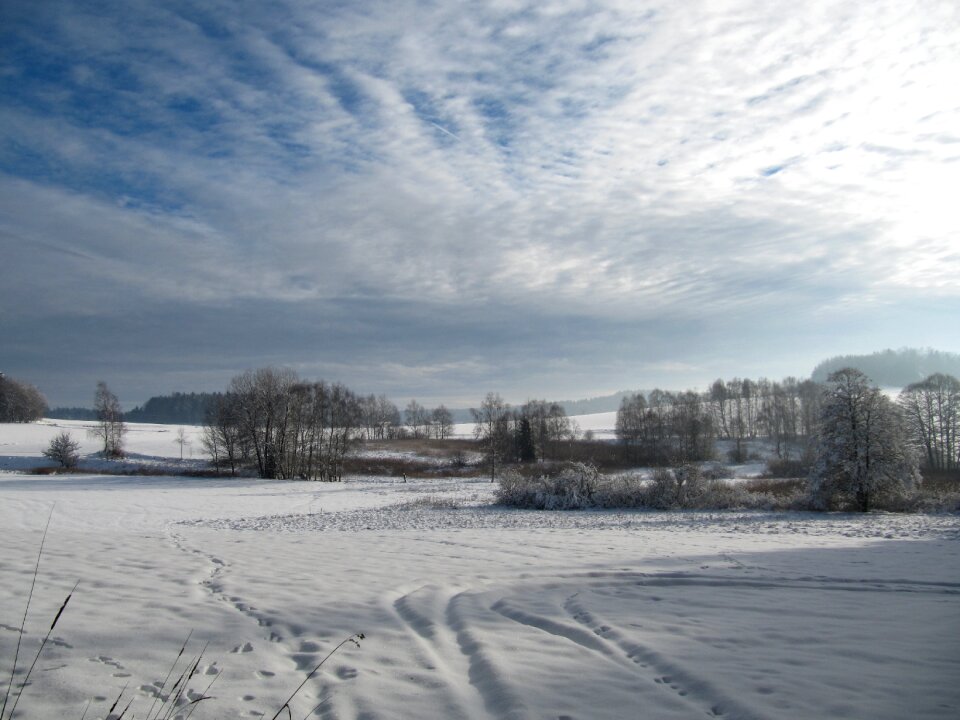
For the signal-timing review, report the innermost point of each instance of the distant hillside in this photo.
(893, 368)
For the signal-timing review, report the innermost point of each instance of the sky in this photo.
(440, 199)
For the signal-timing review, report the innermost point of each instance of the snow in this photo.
(469, 611)
(603, 425)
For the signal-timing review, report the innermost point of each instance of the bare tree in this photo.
(692, 428)
(442, 421)
(492, 429)
(932, 409)
(294, 429)
(222, 438)
(418, 419)
(110, 427)
(262, 405)
(633, 424)
(181, 439)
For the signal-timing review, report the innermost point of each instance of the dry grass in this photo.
(422, 458)
(777, 487)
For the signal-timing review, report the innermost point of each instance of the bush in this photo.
(622, 491)
(64, 450)
(572, 488)
(682, 488)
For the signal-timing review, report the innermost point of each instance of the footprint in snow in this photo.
(346, 673)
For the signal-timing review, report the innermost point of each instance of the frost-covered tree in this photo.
(64, 450)
(864, 454)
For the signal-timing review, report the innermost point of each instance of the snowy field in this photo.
(469, 611)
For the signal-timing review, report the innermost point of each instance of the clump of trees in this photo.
(533, 432)
(672, 428)
(20, 402)
(665, 427)
(379, 418)
(110, 427)
(288, 428)
(932, 411)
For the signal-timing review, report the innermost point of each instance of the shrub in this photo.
(573, 487)
(64, 450)
(622, 491)
(662, 491)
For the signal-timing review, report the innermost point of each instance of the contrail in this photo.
(443, 129)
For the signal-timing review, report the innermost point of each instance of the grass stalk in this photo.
(23, 623)
(43, 644)
(355, 639)
(169, 673)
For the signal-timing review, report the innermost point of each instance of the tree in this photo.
(110, 427)
(525, 449)
(492, 429)
(442, 421)
(64, 450)
(863, 454)
(932, 409)
(261, 405)
(692, 428)
(418, 419)
(20, 402)
(222, 438)
(291, 428)
(181, 439)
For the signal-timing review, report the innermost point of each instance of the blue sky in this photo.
(437, 199)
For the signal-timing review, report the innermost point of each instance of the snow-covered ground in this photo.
(469, 611)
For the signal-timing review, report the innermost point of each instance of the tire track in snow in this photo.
(498, 697)
(667, 673)
(436, 648)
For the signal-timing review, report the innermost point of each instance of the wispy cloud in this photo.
(638, 167)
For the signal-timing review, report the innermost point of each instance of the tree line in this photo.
(662, 427)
